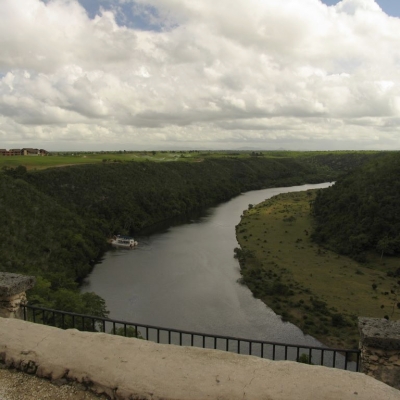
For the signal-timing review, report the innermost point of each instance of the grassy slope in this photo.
(276, 232)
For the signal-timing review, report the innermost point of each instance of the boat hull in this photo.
(123, 242)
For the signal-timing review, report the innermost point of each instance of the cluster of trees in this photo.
(361, 212)
(55, 222)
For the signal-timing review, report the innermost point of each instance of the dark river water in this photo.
(185, 277)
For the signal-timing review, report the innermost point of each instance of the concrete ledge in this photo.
(126, 368)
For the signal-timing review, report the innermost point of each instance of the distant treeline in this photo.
(55, 222)
(361, 212)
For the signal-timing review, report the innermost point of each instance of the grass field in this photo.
(60, 159)
(57, 159)
(320, 291)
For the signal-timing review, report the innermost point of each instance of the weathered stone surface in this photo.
(379, 345)
(12, 284)
(127, 368)
(379, 333)
(10, 306)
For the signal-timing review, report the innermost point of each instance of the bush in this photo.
(304, 359)
(338, 320)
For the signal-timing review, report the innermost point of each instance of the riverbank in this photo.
(321, 292)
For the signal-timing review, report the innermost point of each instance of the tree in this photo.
(388, 245)
(94, 305)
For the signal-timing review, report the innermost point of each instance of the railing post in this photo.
(12, 294)
(380, 349)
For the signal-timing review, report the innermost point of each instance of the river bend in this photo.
(186, 278)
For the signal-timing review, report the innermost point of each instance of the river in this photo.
(185, 277)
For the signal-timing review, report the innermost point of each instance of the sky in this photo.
(183, 74)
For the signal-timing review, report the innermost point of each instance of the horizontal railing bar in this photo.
(204, 335)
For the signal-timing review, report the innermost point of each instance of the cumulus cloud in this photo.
(271, 73)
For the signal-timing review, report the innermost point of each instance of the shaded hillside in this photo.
(361, 212)
(130, 196)
(41, 238)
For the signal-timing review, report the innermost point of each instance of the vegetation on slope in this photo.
(361, 212)
(128, 197)
(41, 238)
(295, 252)
(318, 290)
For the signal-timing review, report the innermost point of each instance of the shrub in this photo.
(304, 359)
(338, 320)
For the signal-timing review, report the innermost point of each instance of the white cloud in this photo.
(218, 74)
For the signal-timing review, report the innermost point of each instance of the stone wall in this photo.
(12, 293)
(128, 368)
(380, 349)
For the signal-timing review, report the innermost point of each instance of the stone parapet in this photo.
(128, 368)
(12, 293)
(380, 349)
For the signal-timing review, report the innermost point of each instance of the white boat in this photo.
(125, 242)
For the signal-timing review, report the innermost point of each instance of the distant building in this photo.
(23, 152)
(30, 152)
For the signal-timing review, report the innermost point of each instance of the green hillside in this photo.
(360, 214)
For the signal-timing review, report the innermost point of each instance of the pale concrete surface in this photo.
(126, 368)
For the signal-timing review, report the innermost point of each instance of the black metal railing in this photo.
(336, 358)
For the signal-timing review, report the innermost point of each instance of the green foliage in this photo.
(361, 212)
(304, 359)
(41, 238)
(338, 320)
(320, 283)
(128, 331)
(127, 197)
(242, 254)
